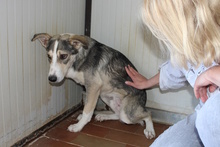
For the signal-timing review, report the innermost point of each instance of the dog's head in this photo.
(61, 51)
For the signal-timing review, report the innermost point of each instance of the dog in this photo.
(101, 70)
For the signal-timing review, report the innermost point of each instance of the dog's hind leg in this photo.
(146, 117)
(114, 103)
(133, 112)
(106, 115)
(141, 115)
(149, 130)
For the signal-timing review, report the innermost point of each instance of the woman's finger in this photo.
(196, 92)
(129, 83)
(131, 75)
(134, 72)
(212, 88)
(202, 94)
(204, 99)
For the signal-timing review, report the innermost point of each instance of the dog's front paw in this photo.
(75, 128)
(149, 134)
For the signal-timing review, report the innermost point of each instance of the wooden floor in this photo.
(96, 134)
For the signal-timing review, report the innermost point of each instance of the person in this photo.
(191, 31)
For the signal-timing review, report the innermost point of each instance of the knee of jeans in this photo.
(207, 122)
(208, 115)
(200, 121)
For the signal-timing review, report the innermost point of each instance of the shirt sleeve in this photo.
(171, 77)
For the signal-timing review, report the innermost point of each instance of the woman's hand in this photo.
(209, 79)
(139, 81)
(200, 87)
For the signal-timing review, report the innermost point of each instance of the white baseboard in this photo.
(166, 117)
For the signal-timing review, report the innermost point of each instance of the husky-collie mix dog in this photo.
(101, 70)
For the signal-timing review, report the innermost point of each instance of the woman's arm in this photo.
(168, 77)
(139, 81)
(209, 79)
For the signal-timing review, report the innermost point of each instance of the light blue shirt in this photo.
(175, 78)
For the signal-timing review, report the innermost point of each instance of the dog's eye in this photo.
(63, 56)
(49, 57)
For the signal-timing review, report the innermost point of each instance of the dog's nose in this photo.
(52, 78)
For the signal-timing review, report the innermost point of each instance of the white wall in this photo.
(117, 23)
(27, 100)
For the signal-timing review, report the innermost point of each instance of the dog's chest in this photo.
(78, 77)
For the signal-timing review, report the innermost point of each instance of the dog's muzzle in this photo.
(52, 78)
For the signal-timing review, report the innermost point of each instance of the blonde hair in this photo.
(189, 28)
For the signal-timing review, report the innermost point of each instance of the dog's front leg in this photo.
(92, 97)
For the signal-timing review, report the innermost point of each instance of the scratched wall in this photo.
(117, 23)
(27, 100)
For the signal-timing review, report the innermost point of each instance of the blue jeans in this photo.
(202, 128)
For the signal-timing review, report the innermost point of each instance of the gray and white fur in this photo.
(101, 70)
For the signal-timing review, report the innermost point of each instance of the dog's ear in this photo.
(78, 41)
(43, 38)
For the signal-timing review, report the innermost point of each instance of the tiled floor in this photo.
(96, 134)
